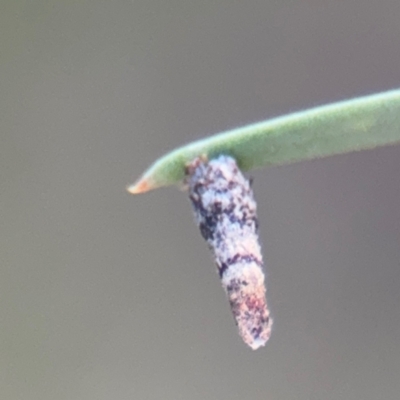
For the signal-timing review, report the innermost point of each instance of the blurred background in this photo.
(104, 295)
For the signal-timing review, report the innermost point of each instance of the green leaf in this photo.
(352, 125)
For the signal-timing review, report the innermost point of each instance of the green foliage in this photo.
(352, 125)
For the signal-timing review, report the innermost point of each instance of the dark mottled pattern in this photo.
(237, 258)
(225, 212)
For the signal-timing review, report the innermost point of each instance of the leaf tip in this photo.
(141, 186)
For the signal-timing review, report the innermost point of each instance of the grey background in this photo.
(104, 295)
